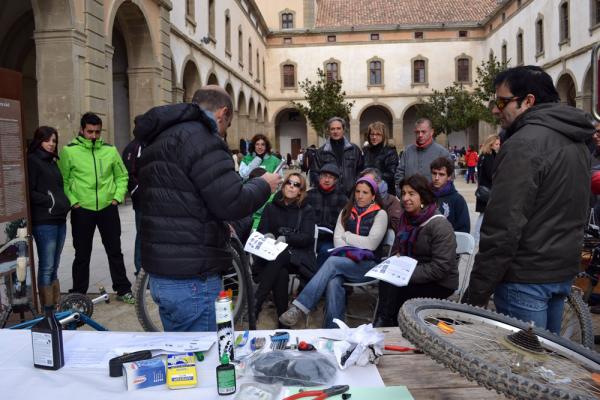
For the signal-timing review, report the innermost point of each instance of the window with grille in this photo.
(289, 76)
(463, 33)
(250, 58)
(331, 38)
(374, 36)
(257, 67)
(504, 54)
(211, 18)
(419, 71)
(375, 73)
(287, 40)
(595, 12)
(287, 21)
(539, 36)
(227, 34)
(189, 8)
(520, 48)
(564, 21)
(419, 35)
(462, 70)
(331, 70)
(240, 47)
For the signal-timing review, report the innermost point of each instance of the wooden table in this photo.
(424, 377)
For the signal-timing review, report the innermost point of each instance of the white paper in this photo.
(87, 357)
(264, 247)
(396, 270)
(168, 343)
(323, 229)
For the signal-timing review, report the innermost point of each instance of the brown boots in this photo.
(50, 295)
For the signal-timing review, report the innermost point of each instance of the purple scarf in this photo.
(444, 190)
(408, 229)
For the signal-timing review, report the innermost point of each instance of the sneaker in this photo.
(291, 316)
(127, 298)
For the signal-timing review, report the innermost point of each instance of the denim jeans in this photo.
(49, 241)
(186, 305)
(541, 303)
(330, 277)
(137, 252)
(322, 253)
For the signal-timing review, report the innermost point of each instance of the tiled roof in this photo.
(347, 13)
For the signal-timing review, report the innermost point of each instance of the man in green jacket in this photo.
(95, 180)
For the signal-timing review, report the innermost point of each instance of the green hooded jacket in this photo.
(93, 173)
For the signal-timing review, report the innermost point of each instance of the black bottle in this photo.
(47, 342)
(226, 383)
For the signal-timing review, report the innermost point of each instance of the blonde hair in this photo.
(486, 147)
(377, 126)
(302, 194)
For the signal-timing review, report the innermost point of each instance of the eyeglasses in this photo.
(294, 184)
(375, 134)
(502, 102)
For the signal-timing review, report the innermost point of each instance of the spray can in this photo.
(225, 333)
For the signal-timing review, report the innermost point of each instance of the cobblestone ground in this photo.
(121, 317)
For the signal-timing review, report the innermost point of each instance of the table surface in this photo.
(424, 378)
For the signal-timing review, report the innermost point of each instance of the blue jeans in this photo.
(322, 253)
(541, 303)
(330, 277)
(186, 305)
(49, 241)
(137, 252)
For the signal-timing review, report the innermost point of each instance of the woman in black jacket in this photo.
(289, 219)
(49, 207)
(381, 156)
(485, 171)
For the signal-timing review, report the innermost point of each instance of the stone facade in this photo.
(118, 58)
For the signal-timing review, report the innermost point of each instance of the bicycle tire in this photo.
(581, 331)
(484, 371)
(147, 311)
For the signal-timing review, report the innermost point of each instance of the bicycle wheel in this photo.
(577, 320)
(147, 310)
(472, 341)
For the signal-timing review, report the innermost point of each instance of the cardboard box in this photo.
(144, 373)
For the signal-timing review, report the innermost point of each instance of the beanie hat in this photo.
(330, 168)
(370, 181)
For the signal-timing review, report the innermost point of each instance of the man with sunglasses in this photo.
(533, 225)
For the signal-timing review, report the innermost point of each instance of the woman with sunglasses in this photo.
(49, 207)
(260, 157)
(427, 236)
(360, 229)
(289, 219)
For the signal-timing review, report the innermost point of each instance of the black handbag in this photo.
(303, 259)
(483, 193)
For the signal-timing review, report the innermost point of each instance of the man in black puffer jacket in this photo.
(338, 150)
(189, 187)
(532, 230)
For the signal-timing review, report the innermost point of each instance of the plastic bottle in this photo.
(47, 342)
(226, 383)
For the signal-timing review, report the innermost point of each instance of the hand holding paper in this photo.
(263, 246)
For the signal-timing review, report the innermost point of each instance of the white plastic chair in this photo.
(366, 287)
(465, 246)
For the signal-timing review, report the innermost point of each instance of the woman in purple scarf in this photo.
(425, 235)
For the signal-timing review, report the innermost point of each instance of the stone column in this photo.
(60, 74)
(243, 132)
(143, 89)
(177, 94)
(166, 86)
(397, 133)
(233, 138)
(355, 132)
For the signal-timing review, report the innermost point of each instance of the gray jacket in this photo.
(435, 251)
(417, 161)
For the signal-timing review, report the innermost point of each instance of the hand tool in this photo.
(320, 394)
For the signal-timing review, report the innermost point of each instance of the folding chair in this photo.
(465, 245)
(369, 286)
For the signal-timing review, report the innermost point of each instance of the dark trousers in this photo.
(273, 276)
(83, 224)
(391, 298)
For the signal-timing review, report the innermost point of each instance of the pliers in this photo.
(320, 394)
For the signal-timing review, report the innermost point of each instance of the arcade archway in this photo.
(290, 132)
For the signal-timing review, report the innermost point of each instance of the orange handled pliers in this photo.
(320, 394)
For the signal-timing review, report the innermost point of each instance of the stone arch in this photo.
(135, 75)
(242, 117)
(190, 80)
(18, 53)
(266, 113)
(290, 131)
(231, 93)
(241, 104)
(252, 128)
(232, 133)
(259, 114)
(212, 79)
(251, 109)
(567, 88)
(376, 112)
(53, 14)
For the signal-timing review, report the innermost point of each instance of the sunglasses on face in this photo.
(294, 184)
(502, 102)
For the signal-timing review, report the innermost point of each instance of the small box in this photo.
(181, 371)
(144, 373)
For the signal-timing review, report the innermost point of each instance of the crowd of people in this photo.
(190, 192)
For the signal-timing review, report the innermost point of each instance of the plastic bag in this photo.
(258, 391)
(292, 368)
(359, 346)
